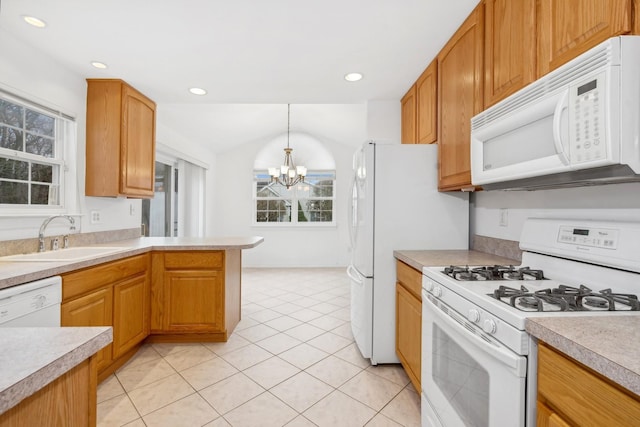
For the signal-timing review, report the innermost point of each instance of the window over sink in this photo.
(32, 163)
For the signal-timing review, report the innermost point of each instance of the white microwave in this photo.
(578, 125)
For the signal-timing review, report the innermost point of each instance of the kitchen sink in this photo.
(78, 253)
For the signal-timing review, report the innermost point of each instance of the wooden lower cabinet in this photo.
(409, 321)
(570, 393)
(130, 313)
(70, 400)
(195, 295)
(92, 309)
(111, 294)
(193, 301)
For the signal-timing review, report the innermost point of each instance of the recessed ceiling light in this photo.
(32, 20)
(197, 91)
(353, 77)
(99, 64)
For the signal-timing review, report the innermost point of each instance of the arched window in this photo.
(311, 202)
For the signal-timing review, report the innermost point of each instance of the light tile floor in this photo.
(291, 361)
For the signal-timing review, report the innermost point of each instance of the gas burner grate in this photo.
(494, 272)
(566, 298)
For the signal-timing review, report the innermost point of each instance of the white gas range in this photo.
(479, 363)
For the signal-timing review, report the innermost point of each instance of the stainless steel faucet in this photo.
(46, 222)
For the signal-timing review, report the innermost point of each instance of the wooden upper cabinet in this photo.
(120, 156)
(509, 47)
(460, 89)
(427, 105)
(408, 116)
(567, 28)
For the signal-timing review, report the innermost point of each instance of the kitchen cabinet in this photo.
(409, 321)
(569, 393)
(192, 297)
(419, 109)
(567, 28)
(460, 89)
(92, 309)
(131, 307)
(120, 153)
(427, 106)
(70, 400)
(113, 294)
(509, 48)
(408, 116)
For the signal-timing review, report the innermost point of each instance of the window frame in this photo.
(64, 137)
(294, 202)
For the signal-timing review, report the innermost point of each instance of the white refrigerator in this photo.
(395, 205)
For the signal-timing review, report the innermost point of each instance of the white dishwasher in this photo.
(32, 304)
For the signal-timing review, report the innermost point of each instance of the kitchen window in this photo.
(311, 202)
(31, 155)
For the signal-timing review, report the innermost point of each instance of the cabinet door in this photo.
(93, 309)
(460, 87)
(194, 301)
(509, 47)
(548, 418)
(567, 28)
(408, 116)
(130, 313)
(427, 106)
(409, 333)
(138, 144)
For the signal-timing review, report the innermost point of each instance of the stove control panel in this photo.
(605, 238)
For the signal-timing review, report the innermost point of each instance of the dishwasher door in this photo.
(33, 304)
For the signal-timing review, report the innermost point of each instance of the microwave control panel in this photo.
(587, 126)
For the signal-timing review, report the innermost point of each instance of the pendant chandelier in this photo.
(288, 174)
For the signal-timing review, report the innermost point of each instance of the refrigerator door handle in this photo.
(353, 212)
(356, 277)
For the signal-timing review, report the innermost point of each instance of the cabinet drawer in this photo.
(581, 395)
(193, 259)
(410, 278)
(88, 279)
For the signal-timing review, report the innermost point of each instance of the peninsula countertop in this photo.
(51, 353)
(17, 272)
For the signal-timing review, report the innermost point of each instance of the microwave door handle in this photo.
(561, 108)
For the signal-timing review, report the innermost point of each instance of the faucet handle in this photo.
(55, 244)
(65, 241)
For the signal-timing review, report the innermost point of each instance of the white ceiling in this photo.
(246, 52)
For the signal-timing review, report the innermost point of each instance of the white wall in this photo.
(618, 201)
(284, 246)
(27, 72)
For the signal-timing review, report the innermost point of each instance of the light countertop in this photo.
(610, 345)
(14, 273)
(52, 352)
(436, 258)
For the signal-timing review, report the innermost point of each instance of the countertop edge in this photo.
(588, 357)
(14, 394)
(40, 270)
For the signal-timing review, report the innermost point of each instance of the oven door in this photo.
(468, 377)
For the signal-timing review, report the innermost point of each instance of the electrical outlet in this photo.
(95, 217)
(504, 217)
(132, 209)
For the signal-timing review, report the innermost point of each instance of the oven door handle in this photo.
(472, 335)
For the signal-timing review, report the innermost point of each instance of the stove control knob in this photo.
(428, 285)
(437, 291)
(489, 326)
(474, 315)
